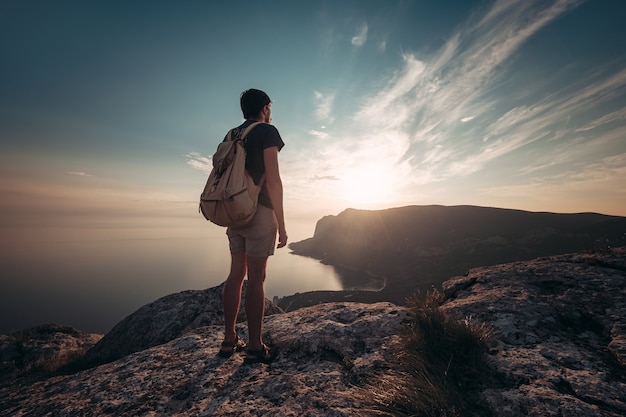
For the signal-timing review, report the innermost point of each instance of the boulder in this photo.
(41, 350)
(163, 320)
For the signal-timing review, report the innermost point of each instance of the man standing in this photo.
(252, 244)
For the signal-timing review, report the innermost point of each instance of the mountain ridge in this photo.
(415, 248)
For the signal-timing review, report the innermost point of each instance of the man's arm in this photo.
(275, 190)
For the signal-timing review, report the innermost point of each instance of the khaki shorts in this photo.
(257, 238)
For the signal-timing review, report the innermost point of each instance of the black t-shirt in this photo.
(261, 137)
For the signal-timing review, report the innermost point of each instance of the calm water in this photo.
(92, 285)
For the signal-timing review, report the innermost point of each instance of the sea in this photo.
(93, 283)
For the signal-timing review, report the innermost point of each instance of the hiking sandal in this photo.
(235, 346)
(263, 355)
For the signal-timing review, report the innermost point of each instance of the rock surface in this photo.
(558, 344)
(163, 320)
(559, 331)
(41, 349)
(327, 353)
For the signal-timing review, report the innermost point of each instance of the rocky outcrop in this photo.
(559, 330)
(327, 354)
(41, 350)
(418, 247)
(557, 349)
(163, 320)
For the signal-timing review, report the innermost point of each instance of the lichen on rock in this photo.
(559, 330)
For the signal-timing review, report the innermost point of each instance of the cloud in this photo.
(390, 107)
(319, 134)
(613, 117)
(429, 95)
(415, 127)
(599, 184)
(79, 174)
(578, 152)
(382, 46)
(360, 37)
(199, 162)
(324, 105)
(325, 177)
(94, 204)
(411, 134)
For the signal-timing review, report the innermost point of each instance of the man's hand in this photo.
(282, 239)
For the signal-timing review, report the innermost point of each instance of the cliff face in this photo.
(418, 247)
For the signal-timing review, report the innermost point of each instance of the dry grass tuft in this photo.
(442, 370)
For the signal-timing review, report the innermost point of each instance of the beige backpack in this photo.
(230, 195)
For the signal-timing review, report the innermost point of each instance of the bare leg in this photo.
(255, 300)
(231, 297)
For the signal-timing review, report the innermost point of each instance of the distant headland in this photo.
(416, 248)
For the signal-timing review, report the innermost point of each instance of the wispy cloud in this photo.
(382, 46)
(428, 102)
(200, 162)
(319, 134)
(440, 118)
(325, 177)
(598, 184)
(79, 174)
(360, 37)
(617, 116)
(98, 201)
(324, 105)
(430, 97)
(389, 107)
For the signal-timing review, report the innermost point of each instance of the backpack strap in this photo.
(243, 137)
(231, 133)
(249, 129)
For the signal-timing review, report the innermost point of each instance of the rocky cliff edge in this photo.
(327, 354)
(559, 332)
(558, 346)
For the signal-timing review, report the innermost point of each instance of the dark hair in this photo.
(252, 102)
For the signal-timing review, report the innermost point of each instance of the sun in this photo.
(367, 187)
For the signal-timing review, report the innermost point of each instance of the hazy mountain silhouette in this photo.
(417, 247)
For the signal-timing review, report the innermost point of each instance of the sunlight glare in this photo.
(367, 187)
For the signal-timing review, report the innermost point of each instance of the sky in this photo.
(110, 110)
